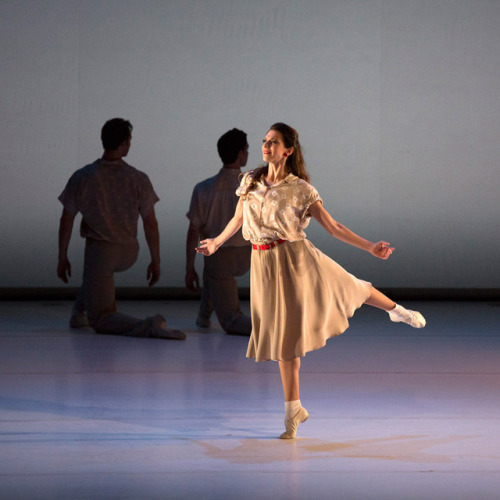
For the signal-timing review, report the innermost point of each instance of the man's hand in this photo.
(153, 274)
(64, 269)
(192, 281)
(65, 228)
(150, 225)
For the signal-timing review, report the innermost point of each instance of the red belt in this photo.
(269, 245)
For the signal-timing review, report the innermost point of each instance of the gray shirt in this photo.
(213, 204)
(110, 195)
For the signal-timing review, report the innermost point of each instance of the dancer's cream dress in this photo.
(299, 297)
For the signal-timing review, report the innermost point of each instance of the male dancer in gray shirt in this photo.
(212, 206)
(111, 195)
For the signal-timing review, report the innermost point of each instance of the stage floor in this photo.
(395, 413)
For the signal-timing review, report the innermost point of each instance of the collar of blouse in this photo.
(288, 179)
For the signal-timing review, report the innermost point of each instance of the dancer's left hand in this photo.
(382, 250)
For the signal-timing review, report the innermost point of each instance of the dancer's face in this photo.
(273, 148)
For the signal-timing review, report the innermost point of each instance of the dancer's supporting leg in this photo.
(295, 414)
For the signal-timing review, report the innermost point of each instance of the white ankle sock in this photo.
(396, 309)
(291, 408)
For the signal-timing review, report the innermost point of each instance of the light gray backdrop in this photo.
(396, 102)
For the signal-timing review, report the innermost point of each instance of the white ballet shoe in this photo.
(401, 315)
(292, 423)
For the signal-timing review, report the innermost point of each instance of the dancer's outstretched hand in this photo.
(207, 247)
(382, 250)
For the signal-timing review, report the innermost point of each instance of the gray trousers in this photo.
(97, 294)
(220, 290)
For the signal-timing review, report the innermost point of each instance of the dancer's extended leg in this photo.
(396, 312)
(378, 299)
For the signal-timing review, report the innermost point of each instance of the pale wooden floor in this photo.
(396, 413)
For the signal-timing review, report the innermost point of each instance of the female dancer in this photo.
(299, 297)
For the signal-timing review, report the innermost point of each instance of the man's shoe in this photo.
(159, 330)
(203, 322)
(292, 423)
(79, 320)
(401, 315)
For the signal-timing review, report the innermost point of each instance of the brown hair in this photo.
(295, 163)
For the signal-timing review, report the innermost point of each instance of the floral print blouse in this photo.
(276, 212)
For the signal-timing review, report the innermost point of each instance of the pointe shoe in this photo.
(159, 330)
(292, 423)
(401, 315)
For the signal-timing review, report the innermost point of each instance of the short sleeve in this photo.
(149, 198)
(195, 210)
(312, 197)
(69, 197)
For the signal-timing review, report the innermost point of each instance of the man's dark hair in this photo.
(230, 144)
(114, 132)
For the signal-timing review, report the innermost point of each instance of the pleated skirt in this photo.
(299, 298)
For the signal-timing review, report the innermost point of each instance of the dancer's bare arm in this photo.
(381, 249)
